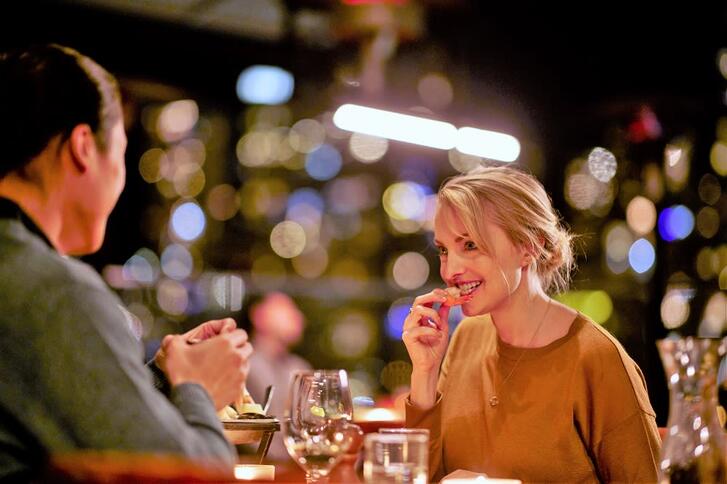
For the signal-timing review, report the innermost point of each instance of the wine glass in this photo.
(316, 430)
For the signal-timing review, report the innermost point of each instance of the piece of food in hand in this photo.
(454, 297)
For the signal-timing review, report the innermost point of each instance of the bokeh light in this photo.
(718, 157)
(287, 239)
(176, 119)
(707, 263)
(677, 160)
(653, 182)
(306, 135)
(642, 256)
(597, 305)
(396, 375)
(222, 202)
(311, 263)
(261, 84)
(189, 180)
(710, 189)
(177, 262)
(187, 221)
(708, 222)
(323, 163)
(675, 307)
(260, 197)
(353, 334)
(228, 291)
(348, 194)
(581, 190)
(714, 319)
(602, 164)
(410, 270)
(617, 241)
(172, 297)
(404, 201)
(435, 90)
(641, 215)
(675, 223)
(395, 316)
(366, 148)
(142, 267)
(463, 162)
(152, 165)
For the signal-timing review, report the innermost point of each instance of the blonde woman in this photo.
(529, 388)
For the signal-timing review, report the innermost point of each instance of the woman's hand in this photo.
(426, 332)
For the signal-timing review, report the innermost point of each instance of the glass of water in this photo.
(396, 458)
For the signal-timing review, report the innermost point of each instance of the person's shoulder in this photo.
(595, 339)
(30, 266)
(606, 362)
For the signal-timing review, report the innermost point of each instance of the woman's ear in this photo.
(82, 145)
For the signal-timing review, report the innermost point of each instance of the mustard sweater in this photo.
(575, 410)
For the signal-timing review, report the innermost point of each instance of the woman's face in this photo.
(489, 278)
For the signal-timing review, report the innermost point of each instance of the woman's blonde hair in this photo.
(516, 202)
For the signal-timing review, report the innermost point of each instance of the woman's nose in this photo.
(450, 269)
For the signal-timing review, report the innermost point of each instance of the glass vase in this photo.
(693, 449)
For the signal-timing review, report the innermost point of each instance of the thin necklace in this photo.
(494, 400)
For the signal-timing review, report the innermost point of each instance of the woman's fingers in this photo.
(430, 298)
(421, 333)
(421, 316)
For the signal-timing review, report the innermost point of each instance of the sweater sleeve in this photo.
(83, 372)
(615, 417)
(431, 419)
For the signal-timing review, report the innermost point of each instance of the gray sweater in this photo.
(71, 372)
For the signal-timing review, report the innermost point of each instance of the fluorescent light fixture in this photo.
(396, 126)
(427, 132)
(488, 144)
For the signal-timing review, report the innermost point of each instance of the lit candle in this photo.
(251, 472)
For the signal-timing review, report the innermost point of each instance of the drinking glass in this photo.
(317, 428)
(396, 458)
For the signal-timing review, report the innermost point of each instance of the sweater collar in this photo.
(11, 210)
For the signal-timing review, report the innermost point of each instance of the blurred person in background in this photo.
(277, 326)
(73, 375)
(529, 388)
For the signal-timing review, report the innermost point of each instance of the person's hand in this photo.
(219, 364)
(195, 335)
(426, 331)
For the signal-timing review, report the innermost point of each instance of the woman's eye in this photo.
(469, 245)
(441, 251)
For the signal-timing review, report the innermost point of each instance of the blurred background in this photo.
(241, 184)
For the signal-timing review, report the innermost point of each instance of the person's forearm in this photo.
(423, 393)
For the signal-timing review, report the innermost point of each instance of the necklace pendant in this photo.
(494, 401)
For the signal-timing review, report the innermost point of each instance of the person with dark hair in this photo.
(529, 388)
(72, 371)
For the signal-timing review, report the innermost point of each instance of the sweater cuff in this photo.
(430, 418)
(161, 382)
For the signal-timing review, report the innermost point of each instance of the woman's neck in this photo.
(523, 314)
